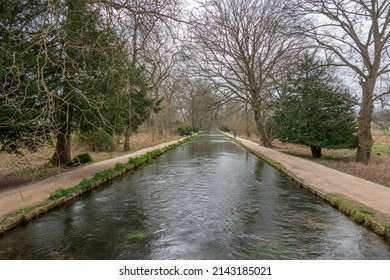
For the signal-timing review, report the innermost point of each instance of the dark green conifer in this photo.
(316, 112)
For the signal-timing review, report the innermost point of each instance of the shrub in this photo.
(81, 159)
(224, 128)
(97, 141)
(182, 129)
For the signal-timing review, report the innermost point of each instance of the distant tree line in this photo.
(110, 66)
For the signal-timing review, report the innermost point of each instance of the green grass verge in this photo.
(270, 161)
(361, 215)
(356, 213)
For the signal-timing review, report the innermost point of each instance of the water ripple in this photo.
(207, 199)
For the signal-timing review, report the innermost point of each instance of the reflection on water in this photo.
(207, 199)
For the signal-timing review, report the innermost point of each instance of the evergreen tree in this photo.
(101, 89)
(131, 103)
(316, 112)
(62, 70)
(84, 62)
(20, 96)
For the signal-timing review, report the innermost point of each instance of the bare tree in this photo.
(241, 45)
(165, 10)
(235, 116)
(381, 119)
(160, 55)
(196, 100)
(353, 34)
(169, 91)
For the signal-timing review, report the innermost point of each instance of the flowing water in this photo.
(207, 199)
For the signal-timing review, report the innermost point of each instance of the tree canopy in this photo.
(354, 35)
(315, 112)
(64, 68)
(21, 99)
(71, 66)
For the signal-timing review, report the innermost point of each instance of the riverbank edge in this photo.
(356, 213)
(62, 196)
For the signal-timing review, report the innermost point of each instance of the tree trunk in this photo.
(363, 153)
(160, 125)
(158, 128)
(264, 139)
(153, 132)
(156, 125)
(248, 134)
(316, 152)
(167, 128)
(126, 146)
(62, 153)
(193, 123)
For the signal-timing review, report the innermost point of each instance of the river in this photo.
(206, 199)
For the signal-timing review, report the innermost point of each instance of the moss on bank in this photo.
(360, 215)
(61, 196)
